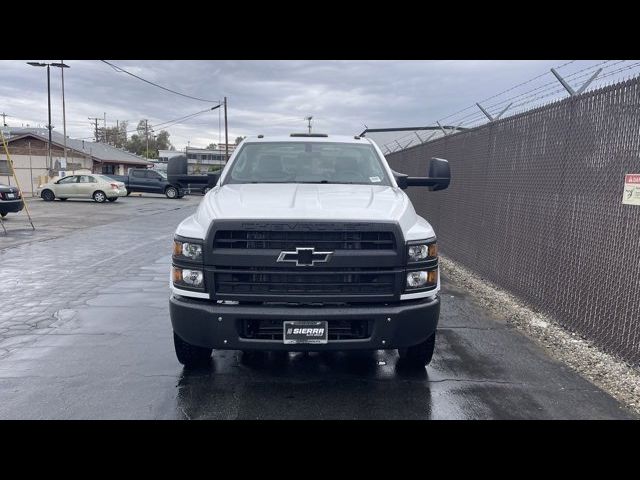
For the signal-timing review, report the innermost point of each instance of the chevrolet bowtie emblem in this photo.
(304, 257)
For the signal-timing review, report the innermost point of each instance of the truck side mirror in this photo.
(438, 179)
(439, 169)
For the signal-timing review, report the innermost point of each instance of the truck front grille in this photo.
(272, 329)
(323, 241)
(296, 281)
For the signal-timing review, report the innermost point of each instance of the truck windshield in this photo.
(312, 162)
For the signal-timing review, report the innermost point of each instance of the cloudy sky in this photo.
(268, 97)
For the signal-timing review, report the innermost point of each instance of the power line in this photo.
(166, 124)
(119, 69)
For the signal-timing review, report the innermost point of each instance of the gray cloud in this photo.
(269, 97)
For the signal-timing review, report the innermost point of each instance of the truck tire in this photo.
(128, 192)
(99, 196)
(171, 192)
(47, 195)
(190, 355)
(3, 214)
(419, 355)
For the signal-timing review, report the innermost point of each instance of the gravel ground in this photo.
(618, 378)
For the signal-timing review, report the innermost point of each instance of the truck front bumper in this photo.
(220, 326)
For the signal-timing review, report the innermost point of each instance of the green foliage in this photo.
(138, 142)
(116, 135)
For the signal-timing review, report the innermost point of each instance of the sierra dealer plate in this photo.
(305, 332)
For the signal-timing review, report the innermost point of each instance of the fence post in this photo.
(568, 87)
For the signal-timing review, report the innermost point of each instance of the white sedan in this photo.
(99, 187)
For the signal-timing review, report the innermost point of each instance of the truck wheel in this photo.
(99, 196)
(190, 355)
(128, 192)
(419, 355)
(47, 195)
(3, 214)
(171, 192)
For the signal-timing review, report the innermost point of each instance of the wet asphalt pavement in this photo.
(85, 334)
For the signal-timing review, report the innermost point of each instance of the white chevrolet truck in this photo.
(307, 243)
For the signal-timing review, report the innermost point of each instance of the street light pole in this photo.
(49, 103)
(49, 126)
(226, 132)
(64, 117)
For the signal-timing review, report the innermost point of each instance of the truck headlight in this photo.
(422, 279)
(188, 250)
(187, 277)
(422, 252)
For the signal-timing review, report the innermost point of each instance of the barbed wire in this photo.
(543, 88)
(505, 91)
(522, 101)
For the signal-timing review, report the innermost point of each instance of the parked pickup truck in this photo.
(150, 181)
(307, 243)
(177, 173)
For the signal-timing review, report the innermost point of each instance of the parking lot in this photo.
(85, 333)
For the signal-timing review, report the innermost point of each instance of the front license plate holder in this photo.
(297, 332)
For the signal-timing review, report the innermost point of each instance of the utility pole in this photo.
(64, 117)
(146, 134)
(4, 119)
(104, 126)
(226, 132)
(117, 132)
(309, 118)
(96, 131)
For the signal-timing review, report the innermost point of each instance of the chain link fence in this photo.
(535, 206)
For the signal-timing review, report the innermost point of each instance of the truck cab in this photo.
(307, 242)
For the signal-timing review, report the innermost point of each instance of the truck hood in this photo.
(306, 202)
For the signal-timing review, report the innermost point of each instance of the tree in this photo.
(162, 141)
(138, 142)
(239, 139)
(116, 135)
(211, 146)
